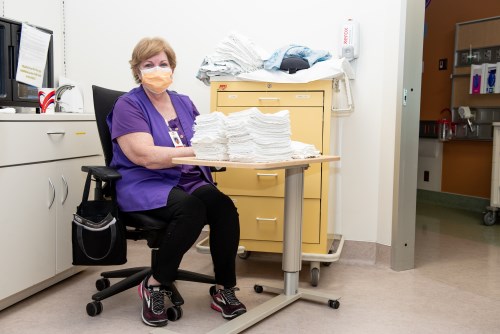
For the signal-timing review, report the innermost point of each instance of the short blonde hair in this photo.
(147, 48)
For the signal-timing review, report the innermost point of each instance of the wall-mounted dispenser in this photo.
(350, 40)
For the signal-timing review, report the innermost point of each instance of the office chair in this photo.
(139, 226)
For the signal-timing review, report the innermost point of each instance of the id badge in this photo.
(176, 139)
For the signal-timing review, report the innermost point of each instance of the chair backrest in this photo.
(104, 100)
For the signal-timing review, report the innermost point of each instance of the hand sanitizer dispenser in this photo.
(350, 40)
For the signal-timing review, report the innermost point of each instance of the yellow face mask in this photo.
(156, 79)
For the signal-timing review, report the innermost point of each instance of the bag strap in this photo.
(79, 236)
(86, 190)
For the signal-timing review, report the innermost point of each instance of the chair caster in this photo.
(174, 313)
(335, 304)
(174, 295)
(258, 288)
(102, 283)
(94, 308)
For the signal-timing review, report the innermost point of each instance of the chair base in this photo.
(132, 277)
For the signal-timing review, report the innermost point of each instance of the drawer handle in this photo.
(269, 98)
(66, 190)
(266, 219)
(56, 133)
(53, 193)
(303, 96)
(268, 174)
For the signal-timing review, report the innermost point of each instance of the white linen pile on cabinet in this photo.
(209, 141)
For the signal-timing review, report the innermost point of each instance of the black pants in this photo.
(185, 215)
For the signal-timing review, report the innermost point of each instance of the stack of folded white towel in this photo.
(247, 136)
(210, 141)
(257, 137)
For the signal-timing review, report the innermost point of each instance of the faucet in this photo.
(59, 92)
(466, 114)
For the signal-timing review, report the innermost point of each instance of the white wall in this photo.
(100, 36)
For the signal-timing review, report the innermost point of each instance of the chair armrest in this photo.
(217, 169)
(107, 173)
(102, 173)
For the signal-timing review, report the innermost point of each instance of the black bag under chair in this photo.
(98, 236)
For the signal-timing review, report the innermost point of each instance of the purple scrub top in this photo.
(141, 188)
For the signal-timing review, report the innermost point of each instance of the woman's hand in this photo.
(139, 148)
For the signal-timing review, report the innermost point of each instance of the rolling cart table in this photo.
(292, 243)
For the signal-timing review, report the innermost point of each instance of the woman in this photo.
(149, 126)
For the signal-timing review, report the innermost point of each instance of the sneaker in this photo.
(154, 312)
(225, 302)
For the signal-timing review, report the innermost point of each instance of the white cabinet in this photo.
(42, 183)
(28, 227)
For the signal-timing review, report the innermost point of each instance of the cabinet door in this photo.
(69, 188)
(27, 240)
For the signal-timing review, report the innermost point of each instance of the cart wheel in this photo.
(490, 217)
(314, 276)
(258, 288)
(245, 255)
(102, 284)
(174, 313)
(327, 264)
(335, 304)
(94, 308)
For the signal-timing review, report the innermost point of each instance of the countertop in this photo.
(17, 117)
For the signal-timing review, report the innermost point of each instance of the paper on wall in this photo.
(32, 56)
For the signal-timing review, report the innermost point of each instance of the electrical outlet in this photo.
(426, 176)
(464, 58)
(443, 64)
(476, 57)
(487, 55)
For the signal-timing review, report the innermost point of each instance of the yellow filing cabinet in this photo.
(259, 194)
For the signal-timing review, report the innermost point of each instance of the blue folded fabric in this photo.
(293, 50)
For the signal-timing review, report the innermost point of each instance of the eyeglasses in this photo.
(161, 68)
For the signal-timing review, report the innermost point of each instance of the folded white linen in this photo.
(304, 151)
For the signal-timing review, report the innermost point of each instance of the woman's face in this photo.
(160, 60)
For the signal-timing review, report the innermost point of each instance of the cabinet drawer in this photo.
(262, 218)
(26, 142)
(250, 182)
(272, 99)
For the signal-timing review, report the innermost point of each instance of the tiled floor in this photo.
(455, 288)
